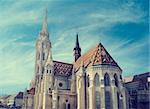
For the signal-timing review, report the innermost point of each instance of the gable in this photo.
(96, 56)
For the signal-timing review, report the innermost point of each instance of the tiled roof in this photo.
(31, 91)
(142, 77)
(62, 69)
(96, 56)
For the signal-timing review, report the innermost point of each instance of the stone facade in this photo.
(92, 81)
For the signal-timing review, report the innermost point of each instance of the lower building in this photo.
(138, 88)
(18, 100)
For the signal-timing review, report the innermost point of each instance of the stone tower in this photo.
(43, 45)
(77, 49)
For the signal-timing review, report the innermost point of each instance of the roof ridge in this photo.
(62, 62)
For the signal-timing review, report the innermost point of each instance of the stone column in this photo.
(124, 99)
(79, 98)
(36, 97)
(102, 90)
(114, 97)
(55, 100)
(91, 95)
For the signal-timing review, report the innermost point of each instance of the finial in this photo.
(45, 24)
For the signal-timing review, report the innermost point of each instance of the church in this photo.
(92, 81)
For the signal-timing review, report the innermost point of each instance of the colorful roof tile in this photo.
(62, 69)
(96, 56)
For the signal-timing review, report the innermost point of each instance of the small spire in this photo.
(45, 23)
(49, 59)
(77, 40)
(77, 49)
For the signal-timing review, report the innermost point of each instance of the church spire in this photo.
(77, 40)
(77, 49)
(45, 23)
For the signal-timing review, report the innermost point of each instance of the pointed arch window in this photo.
(67, 105)
(43, 56)
(88, 81)
(42, 70)
(107, 100)
(118, 99)
(106, 80)
(97, 99)
(116, 80)
(96, 80)
(120, 77)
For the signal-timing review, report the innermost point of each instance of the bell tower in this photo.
(77, 49)
(43, 46)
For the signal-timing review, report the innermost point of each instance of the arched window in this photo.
(43, 56)
(96, 80)
(107, 100)
(120, 77)
(106, 80)
(67, 105)
(116, 80)
(118, 100)
(42, 70)
(88, 82)
(97, 99)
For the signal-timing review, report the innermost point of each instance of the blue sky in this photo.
(120, 25)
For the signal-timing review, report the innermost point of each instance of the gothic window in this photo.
(42, 70)
(107, 100)
(116, 80)
(47, 71)
(68, 106)
(106, 80)
(96, 80)
(97, 97)
(88, 82)
(118, 100)
(120, 77)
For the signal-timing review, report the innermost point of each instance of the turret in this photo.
(77, 49)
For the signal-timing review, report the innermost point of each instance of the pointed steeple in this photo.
(77, 40)
(77, 49)
(45, 23)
